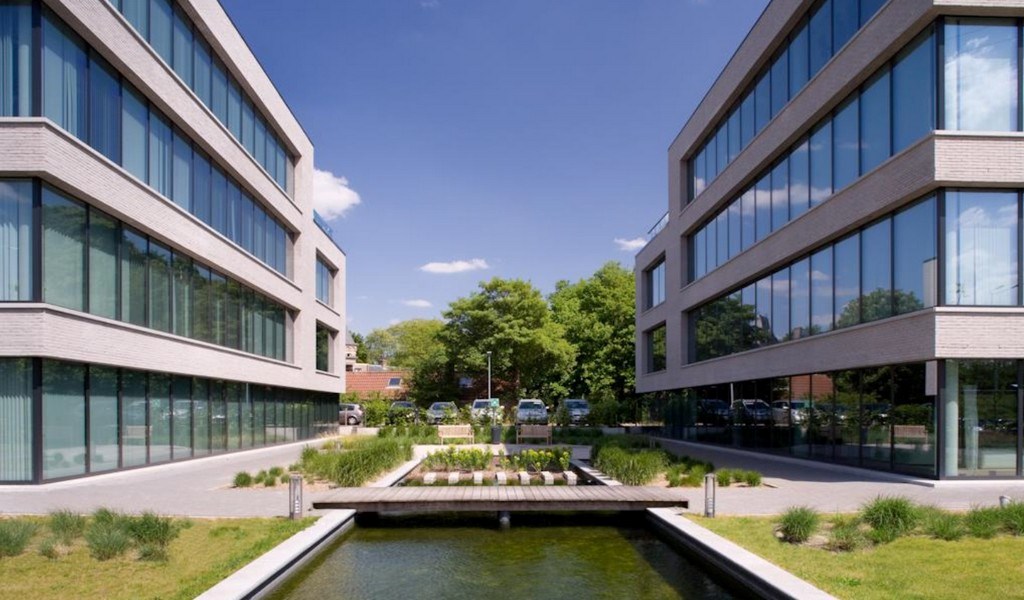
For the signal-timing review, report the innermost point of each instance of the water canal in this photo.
(540, 556)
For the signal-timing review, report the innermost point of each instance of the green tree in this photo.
(598, 315)
(406, 344)
(360, 347)
(509, 318)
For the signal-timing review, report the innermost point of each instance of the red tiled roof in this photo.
(366, 382)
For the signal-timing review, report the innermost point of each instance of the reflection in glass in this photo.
(800, 299)
(914, 259)
(981, 248)
(847, 273)
(821, 290)
(913, 92)
(876, 276)
(986, 392)
(981, 87)
(63, 419)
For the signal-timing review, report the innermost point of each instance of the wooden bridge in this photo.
(502, 498)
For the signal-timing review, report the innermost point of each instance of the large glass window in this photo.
(913, 92)
(182, 296)
(134, 259)
(981, 248)
(913, 418)
(134, 425)
(103, 241)
(874, 122)
(182, 61)
(876, 275)
(655, 347)
(821, 163)
(159, 286)
(65, 65)
(780, 194)
(159, 154)
(780, 82)
(323, 348)
(15, 60)
(160, 28)
(763, 197)
(201, 187)
(159, 418)
(201, 326)
(800, 299)
(780, 305)
(181, 189)
(200, 417)
(845, 21)
(986, 416)
(981, 86)
(735, 224)
(822, 289)
(845, 145)
(914, 257)
(16, 232)
(847, 287)
(104, 109)
(16, 419)
(749, 224)
(133, 133)
(103, 448)
(181, 417)
(63, 251)
(799, 179)
(63, 419)
(799, 60)
(763, 101)
(821, 36)
(654, 279)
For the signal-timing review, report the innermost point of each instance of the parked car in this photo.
(350, 414)
(790, 412)
(578, 410)
(751, 412)
(531, 410)
(439, 410)
(481, 408)
(712, 411)
(401, 410)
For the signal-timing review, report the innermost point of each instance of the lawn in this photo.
(910, 567)
(204, 553)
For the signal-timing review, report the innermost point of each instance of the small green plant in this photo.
(630, 466)
(50, 548)
(286, 478)
(105, 516)
(845, 535)
(890, 517)
(275, 472)
(269, 481)
(1013, 518)
(259, 477)
(153, 552)
(66, 525)
(723, 477)
(798, 524)
(242, 479)
(14, 536)
(151, 529)
(752, 478)
(983, 522)
(945, 526)
(106, 540)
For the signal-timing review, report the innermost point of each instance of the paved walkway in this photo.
(829, 488)
(201, 488)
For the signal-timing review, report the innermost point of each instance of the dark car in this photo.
(751, 412)
(402, 411)
(712, 411)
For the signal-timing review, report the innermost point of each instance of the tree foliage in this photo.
(598, 315)
(408, 344)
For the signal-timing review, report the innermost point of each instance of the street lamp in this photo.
(488, 374)
(495, 426)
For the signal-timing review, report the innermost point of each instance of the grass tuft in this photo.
(242, 479)
(983, 522)
(798, 524)
(66, 525)
(845, 535)
(1013, 518)
(890, 517)
(107, 540)
(14, 536)
(944, 526)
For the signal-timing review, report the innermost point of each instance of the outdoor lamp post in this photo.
(495, 425)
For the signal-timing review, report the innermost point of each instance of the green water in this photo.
(572, 556)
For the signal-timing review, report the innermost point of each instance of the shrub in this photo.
(151, 529)
(243, 479)
(269, 481)
(106, 540)
(14, 536)
(890, 517)
(1013, 518)
(686, 475)
(983, 522)
(375, 412)
(723, 477)
(276, 471)
(259, 477)
(105, 516)
(631, 467)
(752, 478)
(944, 526)
(798, 524)
(66, 525)
(845, 535)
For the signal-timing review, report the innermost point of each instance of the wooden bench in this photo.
(910, 433)
(524, 432)
(455, 432)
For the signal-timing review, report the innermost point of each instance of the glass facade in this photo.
(895, 108)
(845, 283)
(826, 28)
(655, 347)
(180, 44)
(324, 339)
(882, 418)
(81, 93)
(93, 263)
(97, 419)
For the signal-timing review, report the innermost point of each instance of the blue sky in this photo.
(503, 138)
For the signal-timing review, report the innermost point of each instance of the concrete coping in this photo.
(752, 571)
(260, 577)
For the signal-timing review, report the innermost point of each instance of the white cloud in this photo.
(332, 197)
(394, 321)
(417, 303)
(631, 245)
(455, 266)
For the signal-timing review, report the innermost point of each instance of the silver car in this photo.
(531, 410)
(578, 410)
(350, 414)
(439, 410)
(481, 408)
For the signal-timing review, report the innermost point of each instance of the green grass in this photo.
(199, 557)
(890, 517)
(631, 467)
(355, 462)
(909, 567)
(798, 524)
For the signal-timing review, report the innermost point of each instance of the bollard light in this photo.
(295, 496)
(709, 495)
